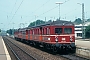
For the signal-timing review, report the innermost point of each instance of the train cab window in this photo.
(68, 30)
(58, 30)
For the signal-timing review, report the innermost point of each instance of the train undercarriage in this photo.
(56, 48)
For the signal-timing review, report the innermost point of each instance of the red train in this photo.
(57, 35)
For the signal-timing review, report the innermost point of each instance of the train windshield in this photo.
(58, 30)
(68, 30)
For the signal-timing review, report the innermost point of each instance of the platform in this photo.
(83, 47)
(83, 43)
(4, 55)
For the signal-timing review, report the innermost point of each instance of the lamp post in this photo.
(59, 7)
(83, 21)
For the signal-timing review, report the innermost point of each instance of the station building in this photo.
(78, 29)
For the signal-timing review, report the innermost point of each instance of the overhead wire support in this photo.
(52, 8)
(40, 7)
(14, 6)
(48, 10)
(17, 9)
(83, 22)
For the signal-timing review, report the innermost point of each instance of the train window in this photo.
(38, 31)
(26, 32)
(23, 32)
(58, 30)
(48, 30)
(68, 30)
(33, 32)
(43, 31)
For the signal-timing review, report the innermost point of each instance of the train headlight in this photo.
(48, 38)
(63, 39)
(56, 39)
(71, 38)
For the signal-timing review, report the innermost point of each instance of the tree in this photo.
(78, 21)
(11, 31)
(31, 24)
(49, 21)
(87, 32)
(0, 30)
(88, 20)
(38, 22)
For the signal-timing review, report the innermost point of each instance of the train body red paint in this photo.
(57, 35)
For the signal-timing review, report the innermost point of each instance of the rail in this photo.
(16, 55)
(73, 57)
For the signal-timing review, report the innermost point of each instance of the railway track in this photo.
(48, 56)
(19, 53)
(36, 52)
(74, 57)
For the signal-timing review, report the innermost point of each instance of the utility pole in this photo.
(59, 8)
(83, 22)
(35, 20)
(45, 19)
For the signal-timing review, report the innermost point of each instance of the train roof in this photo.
(54, 23)
(57, 23)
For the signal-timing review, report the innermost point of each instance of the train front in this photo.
(64, 38)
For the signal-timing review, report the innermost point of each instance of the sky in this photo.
(20, 13)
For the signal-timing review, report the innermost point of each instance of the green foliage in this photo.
(88, 20)
(11, 31)
(38, 22)
(0, 30)
(78, 21)
(31, 24)
(49, 21)
(87, 32)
